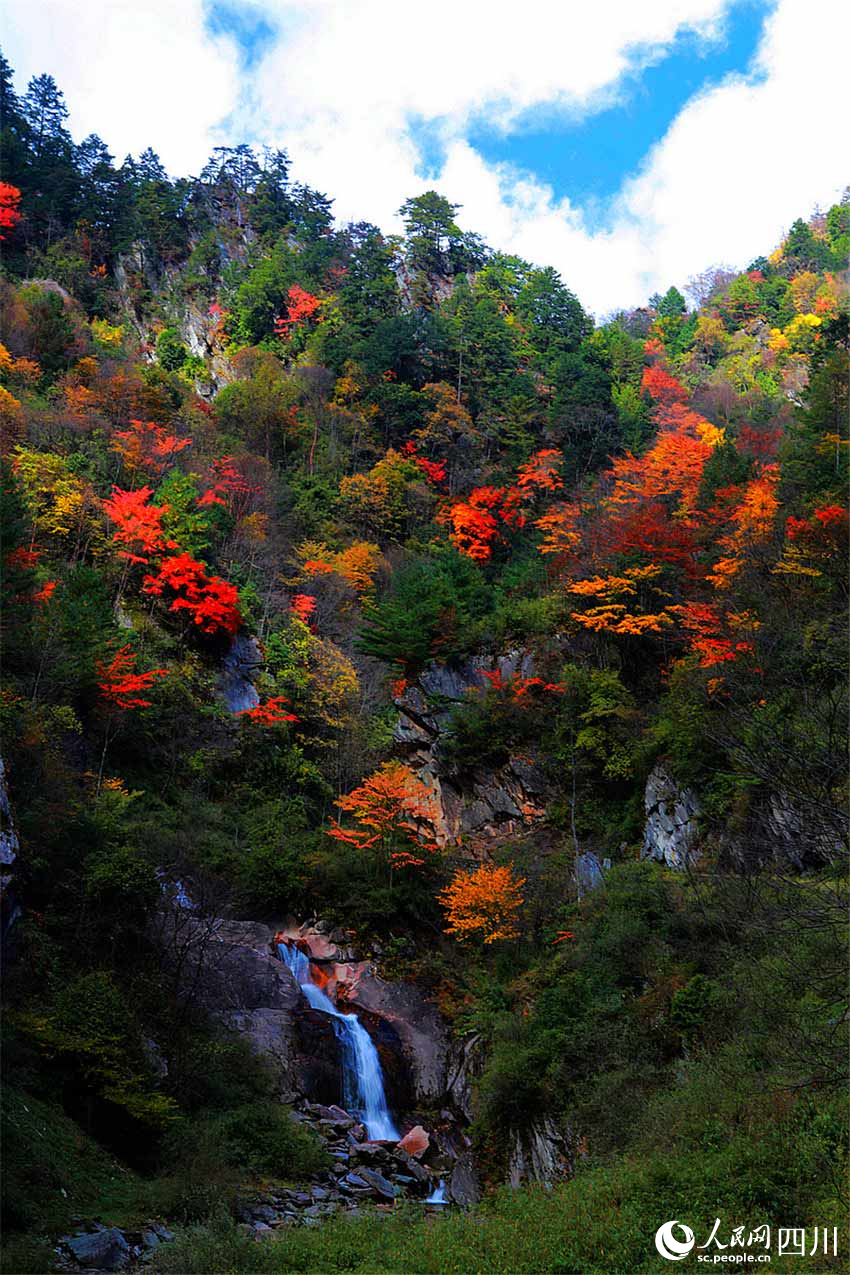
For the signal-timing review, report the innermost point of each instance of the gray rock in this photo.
(463, 1185)
(105, 1250)
(671, 833)
(589, 874)
(539, 1153)
(241, 663)
(379, 1184)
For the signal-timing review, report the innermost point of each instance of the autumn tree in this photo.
(393, 812)
(483, 904)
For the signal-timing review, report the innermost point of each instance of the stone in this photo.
(415, 1170)
(105, 1250)
(415, 1142)
(539, 1154)
(588, 873)
(671, 833)
(379, 1184)
(463, 1185)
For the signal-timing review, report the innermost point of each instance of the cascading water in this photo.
(362, 1078)
(438, 1195)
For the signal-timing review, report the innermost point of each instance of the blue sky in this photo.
(587, 159)
(629, 143)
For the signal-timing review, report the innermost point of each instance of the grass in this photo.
(601, 1223)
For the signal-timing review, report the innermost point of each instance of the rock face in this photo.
(229, 968)
(481, 803)
(9, 850)
(238, 668)
(589, 875)
(671, 834)
(539, 1153)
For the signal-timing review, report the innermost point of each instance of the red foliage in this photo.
(519, 688)
(272, 713)
(434, 470)
(300, 305)
(303, 606)
(46, 592)
(139, 524)
(703, 622)
(648, 529)
(211, 602)
(10, 214)
(23, 559)
(229, 487)
(119, 682)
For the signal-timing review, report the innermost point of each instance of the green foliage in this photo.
(428, 613)
(170, 350)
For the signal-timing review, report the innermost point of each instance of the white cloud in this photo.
(137, 72)
(346, 82)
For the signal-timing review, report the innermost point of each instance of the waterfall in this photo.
(438, 1195)
(362, 1079)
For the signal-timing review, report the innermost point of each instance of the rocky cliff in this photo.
(478, 804)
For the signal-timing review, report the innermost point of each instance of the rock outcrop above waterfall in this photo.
(672, 830)
(239, 667)
(478, 803)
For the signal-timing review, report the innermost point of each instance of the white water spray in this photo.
(362, 1078)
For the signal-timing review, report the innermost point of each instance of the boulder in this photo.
(415, 1142)
(379, 1185)
(105, 1250)
(463, 1185)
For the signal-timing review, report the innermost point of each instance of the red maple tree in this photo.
(119, 682)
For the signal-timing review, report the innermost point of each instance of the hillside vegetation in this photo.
(225, 415)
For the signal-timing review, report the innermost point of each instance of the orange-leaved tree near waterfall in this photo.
(394, 812)
(483, 903)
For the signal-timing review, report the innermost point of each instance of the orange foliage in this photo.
(148, 446)
(483, 903)
(540, 473)
(389, 808)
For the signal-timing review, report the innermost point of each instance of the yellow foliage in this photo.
(333, 688)
(610, 587)
(357, 564)
(106, 333)
(711, 435)
(60, 502)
